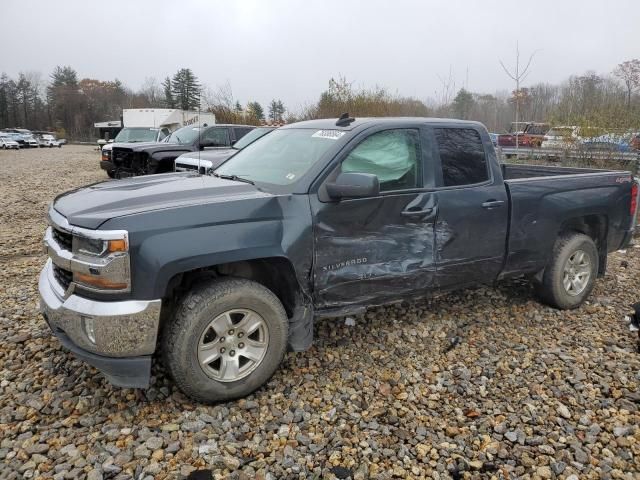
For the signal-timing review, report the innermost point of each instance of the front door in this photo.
(379, 248)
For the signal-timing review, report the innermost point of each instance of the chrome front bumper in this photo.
(121, 328)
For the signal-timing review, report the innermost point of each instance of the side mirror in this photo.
(354, 185)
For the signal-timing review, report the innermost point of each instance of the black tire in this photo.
(552, 290)
(181, 337)
(111, 173)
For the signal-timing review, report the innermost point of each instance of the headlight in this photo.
(97, 247)
(89, 246)
(102, 260)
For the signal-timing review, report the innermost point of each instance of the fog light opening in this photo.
(89, 329)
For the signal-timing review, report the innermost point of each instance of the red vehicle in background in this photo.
(528, 134)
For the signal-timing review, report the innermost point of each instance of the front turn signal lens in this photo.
(99, 282)
(116, 246)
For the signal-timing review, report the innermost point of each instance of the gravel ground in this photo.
(529, 392)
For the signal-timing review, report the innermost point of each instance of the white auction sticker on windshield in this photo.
(330, 134)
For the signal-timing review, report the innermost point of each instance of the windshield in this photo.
(282, 157)
(183, 136)
(251, 137)
(129, 135)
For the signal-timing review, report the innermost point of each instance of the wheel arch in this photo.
(276, 273)
(593, 226)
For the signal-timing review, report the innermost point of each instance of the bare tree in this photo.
(629, 73)
(518, 75)
(447, 90)
(152, 91)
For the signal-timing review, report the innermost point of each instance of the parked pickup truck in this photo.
(130, 135)
(207, 162)
(133, 159)
(220, 273)
(531, 136)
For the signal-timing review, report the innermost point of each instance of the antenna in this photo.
(199, 136)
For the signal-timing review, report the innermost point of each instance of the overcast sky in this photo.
(289, 49)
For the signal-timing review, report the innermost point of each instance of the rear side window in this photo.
(241, 132)
(462, 156)
(219, 137)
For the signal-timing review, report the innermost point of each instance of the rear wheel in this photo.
(571, 273)
(227, 338)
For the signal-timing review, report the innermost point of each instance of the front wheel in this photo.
(571, 273)
(226, 339)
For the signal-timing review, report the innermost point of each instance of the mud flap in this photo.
(301, 329)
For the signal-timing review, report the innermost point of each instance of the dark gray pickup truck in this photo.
(220, 273)
(143, 158)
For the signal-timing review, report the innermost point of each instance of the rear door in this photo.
(380, 247)
(471, 229)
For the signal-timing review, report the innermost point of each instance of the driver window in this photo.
(391, 155)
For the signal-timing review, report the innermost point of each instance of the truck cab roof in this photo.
(330, 123)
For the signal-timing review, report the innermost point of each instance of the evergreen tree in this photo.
(463, 103)
(4, 100)
(169, 101)
(276, 110)
(26, 97)
(238, 107)
(254, 109)
(186, 89)
(65, 98)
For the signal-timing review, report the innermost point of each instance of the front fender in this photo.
(165, 243)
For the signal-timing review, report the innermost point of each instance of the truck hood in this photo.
(91, 206)
(215, 157)
(151, 147)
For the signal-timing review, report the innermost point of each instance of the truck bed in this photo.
(547, 199)
(512, 171)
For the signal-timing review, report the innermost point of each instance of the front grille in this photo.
(62, 276)
(121, 157)
(64, 239)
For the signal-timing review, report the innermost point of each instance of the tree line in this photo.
(70, 105)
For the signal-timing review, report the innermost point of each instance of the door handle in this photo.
(493, 204)
(413, 213)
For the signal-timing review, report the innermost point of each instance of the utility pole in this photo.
(518, 76)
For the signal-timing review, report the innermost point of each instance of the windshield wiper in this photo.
(233, 177)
